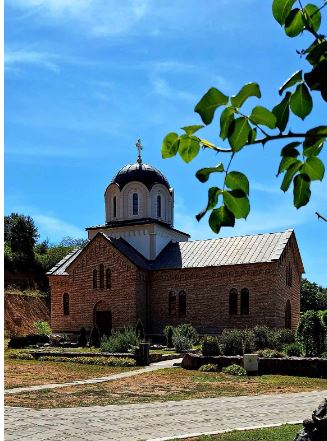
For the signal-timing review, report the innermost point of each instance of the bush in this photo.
(270, 353)
(210, 346)
(120, 341)
(323, 317)
(208, 368)
(95, 337)
(282, 337)
(262, 337)
(236, 341)
(98, 361)
(21, 355)
(311, 334)
(187, 331)
(139, 329)
(323, 355)
(28, 340)
(293, 350)
(42, 328)
(182, 343)
(234, 369)
(82, 338)
(169, 332)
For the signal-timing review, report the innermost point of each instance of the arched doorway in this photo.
(288, 315)
(102, 317)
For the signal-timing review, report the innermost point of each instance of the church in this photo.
(138, 266)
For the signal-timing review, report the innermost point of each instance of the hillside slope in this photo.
(22, 311)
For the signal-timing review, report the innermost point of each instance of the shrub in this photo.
(311, 334)
(42, 328)
(270, 353)
(236, 341)
(182, 343)
(293, 350)
(323, 355)
(98, 361)
(120, 341)
(187, 331)
(282, 337)
(28, 340)
(210, 346)
(21, 355)
(234, 369)
(82, 338)
(139, 329)
(208, 368)
(262, 337)
(95, 337)
(169, 332)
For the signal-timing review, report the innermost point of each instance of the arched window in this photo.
(158, 205)
(108, 278)
(101, 267)
(114, 206)
(172, 303)
(66, 303)
(182, 303)
(232, 302)
(245, 301)
(288, 315)
(135, 204)
(95, 279)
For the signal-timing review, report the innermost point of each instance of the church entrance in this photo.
(103, 318)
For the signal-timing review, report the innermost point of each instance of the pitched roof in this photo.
(259, 248)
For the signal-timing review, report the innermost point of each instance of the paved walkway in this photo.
(154, 421)
(152, 367)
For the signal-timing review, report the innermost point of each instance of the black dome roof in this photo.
(144, 173)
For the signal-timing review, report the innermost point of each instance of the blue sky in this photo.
(84, 79)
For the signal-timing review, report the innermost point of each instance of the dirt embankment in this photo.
(22, 311)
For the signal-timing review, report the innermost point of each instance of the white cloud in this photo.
(55, 228)
(39, 59)
(161, 87)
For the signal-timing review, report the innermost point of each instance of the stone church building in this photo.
(138, 266)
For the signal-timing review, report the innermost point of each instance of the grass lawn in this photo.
(282, 433)
(19, 373)
(164, 385)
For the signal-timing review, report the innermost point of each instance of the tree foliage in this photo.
(300, 163)
(311, 334)
(20, 234)
(313, 296)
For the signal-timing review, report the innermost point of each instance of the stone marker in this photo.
(251, 363)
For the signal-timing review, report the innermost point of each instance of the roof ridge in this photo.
(242, 235)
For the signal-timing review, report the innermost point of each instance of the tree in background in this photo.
(300, 163)
(21, 235)
(313, 296)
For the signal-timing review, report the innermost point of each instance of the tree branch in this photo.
(320, 216)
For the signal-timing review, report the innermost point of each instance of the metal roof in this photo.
(238, 250)
(145, 173)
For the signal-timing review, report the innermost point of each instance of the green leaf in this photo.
(213, 194)
(252, 136)
(301, 101)
(189, 130)
(317, 52)
(237, 181)
(221, 217)
(261, 115)
(189, 147)
(313, 149)
(294, 23)
(314, 141)
(314, 168)
(282, 112)
(237, 202)
(301, 190)
(319, 131)
(249, 89)
(204, 173)
(170, 145)
(285, 163)
(312, 17)
(226, 118)
(239, 133)
(291, 81)
(208, 104)
(292, 170)
(281, 9)
(290, 150)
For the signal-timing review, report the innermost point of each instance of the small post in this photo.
(251, 363)
(143, 354)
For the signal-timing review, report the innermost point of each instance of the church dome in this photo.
(139, 172)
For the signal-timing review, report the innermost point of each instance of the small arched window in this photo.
(182, 303)
(108, 278)
(114, 206)
(158, 205)
(101, 268)
(172, 303)
(95, 279)
(135, 204)
(233, 302)
(66, 303)
(245, 301)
